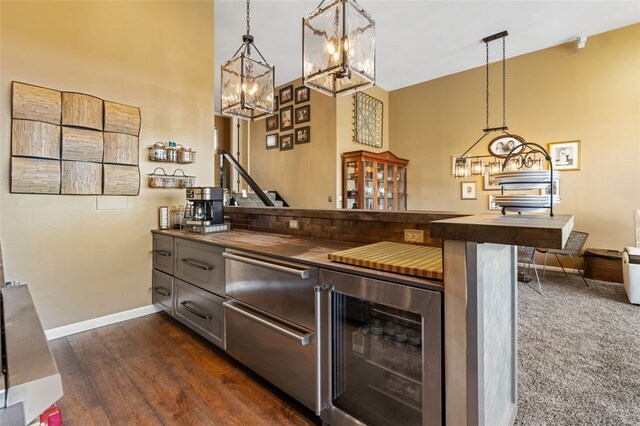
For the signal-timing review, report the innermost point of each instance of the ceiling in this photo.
(416, 40)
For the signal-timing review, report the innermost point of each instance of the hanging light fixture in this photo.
(477, 166)
(247, 83)
(338, 48)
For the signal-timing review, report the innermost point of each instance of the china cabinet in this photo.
(374, 181)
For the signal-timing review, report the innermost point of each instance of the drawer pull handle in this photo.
(300, 273)
(303, 340)
(197, 264)
(194, 312)
(163, 253)
(163, 292)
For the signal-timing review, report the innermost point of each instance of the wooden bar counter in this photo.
(480, 310)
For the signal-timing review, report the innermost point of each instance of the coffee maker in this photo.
(206, 212)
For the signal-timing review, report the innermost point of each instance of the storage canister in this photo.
(172, 154)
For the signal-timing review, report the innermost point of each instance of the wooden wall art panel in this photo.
(35, 139)
(81, 178)
(82, 144)
(119, 118)
(121, 149)
(81, 110)
(35, 176)
(121, 180)
(72, 143)
(36, 103)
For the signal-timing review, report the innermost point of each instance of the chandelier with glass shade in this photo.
(247, 82)
(338, 48)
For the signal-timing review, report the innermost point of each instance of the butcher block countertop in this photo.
(304, 250)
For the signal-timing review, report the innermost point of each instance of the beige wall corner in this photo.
(556, 94)
(80, 262)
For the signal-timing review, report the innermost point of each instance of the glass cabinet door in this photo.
(351, 171)
(381, 187)
(369, 185)
(379, 349)
(391, 190)
(402, 188)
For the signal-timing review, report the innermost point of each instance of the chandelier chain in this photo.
(487, 78)
(248, 23)
(504, 83)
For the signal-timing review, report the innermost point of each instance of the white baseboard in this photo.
(67, 330)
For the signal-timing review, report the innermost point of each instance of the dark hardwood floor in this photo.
(152, 370)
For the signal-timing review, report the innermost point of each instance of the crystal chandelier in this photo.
(247, 83)
(338, 48)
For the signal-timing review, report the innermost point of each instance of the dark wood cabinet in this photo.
(374, 181)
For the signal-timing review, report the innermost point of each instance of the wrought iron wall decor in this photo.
(367, 120)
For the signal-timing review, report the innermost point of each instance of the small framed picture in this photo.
(275, 103)
(272, 123)
(286, 94)
(272, 141)
(303, 114)
(286, 118)
(468, 191)
(302, 94)
(492, 203)
(565, 155)
(303, 135)
(286, 142)
(502, 145)
(556, 189)
(490, 184)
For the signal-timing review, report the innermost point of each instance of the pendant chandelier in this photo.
(247, 83)
(465, 165)
(338, 48)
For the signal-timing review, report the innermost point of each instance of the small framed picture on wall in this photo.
(272, 141)
(565, 155)
(286, 142)
(272, 123)
(286, 94)
(302, 94)
(286, 118)
(303, 114)
(492, 203)
(468, 191)
(303, 135)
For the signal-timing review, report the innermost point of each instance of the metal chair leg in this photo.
(537, 279)
(558, 259)
(582, 276)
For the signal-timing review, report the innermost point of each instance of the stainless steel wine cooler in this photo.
(380, 352)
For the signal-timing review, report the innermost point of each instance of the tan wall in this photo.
(556, 94)
(344, 122)
(81, 262)
(306, 175)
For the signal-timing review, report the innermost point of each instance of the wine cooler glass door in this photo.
(385, 352)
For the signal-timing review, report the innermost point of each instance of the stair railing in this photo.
(226, 163)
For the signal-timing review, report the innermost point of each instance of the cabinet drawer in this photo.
(162, 291)
(163, 253)
(281, 352)
(201, 311)
(200, 264)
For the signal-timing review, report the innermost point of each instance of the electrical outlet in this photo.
(293, 224)
(330, 199)
(413, 236)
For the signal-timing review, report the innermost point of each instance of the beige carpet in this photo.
(579, 354)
